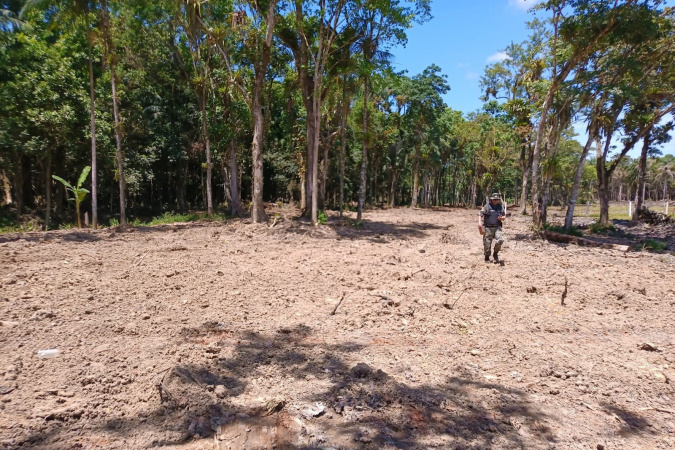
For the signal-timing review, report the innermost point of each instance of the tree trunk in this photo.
(394, 173)
(569, 216)
(536, 211)
(118, 142)
(7, 189)
(303, 186)
(207, 145)
(343, 146)
(234, 183)
(525, 165)
(603, 185)
(364, 149)
(258, 214)
(258, 208)
(315, 159)
(642, 175)
(18, 183)
(48, 188)
(92, 130)
(416, 169)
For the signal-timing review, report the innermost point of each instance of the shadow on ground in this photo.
(363, 407)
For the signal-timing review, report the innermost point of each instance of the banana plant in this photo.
(79, 193)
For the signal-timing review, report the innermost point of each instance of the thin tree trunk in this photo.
(642, 176)
(343, 145)
(92, 130)
(394, 173)
(364, 150)
(207, 145)
(315, 159)
(113, 83)
(416, 169)
(48, 188)
(234, 183)
(525, 165)
(118, 142)
(7, 188)
(569, 216)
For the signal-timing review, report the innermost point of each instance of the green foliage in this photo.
(598, 228)
(322, 217)
(574, 231)
(79, 193)
(651, 244)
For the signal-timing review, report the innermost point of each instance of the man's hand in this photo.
(501, 218)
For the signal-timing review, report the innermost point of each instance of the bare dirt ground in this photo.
(217, 336)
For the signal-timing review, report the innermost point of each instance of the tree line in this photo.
(223, 105)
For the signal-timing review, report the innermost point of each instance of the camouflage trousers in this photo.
(493, 234)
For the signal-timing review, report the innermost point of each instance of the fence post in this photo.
(588, 208)
(666, 208)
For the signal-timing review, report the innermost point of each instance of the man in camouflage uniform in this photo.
(490, 220)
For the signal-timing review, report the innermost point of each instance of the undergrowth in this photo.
(574, 231)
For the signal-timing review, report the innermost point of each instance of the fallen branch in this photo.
(567, 239)
(663, 410)
(564, 294)
(338, 305)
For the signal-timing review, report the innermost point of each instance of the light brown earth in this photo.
(205, 336)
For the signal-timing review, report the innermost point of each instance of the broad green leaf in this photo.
(65, 183)
(83, 176)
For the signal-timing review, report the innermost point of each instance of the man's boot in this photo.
(495, 257)
(487, 257)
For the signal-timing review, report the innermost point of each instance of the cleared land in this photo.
(210, 335)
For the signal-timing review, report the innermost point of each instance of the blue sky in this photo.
(462, 38)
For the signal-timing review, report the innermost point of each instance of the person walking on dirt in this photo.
(490, 222)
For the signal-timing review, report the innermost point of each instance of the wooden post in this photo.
(666, 208)
(588, 208)
(86, 219)
(630, 209)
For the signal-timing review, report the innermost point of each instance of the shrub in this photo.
(599, 229)
(651, 244)
(574, 231)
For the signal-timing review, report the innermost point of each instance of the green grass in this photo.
(599, 229)
(574, 231)
(168, 218)
(619, 210)
(9, 224)
(651, 244)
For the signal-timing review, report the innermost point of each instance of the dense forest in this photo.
(224, 105)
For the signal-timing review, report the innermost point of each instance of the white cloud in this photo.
(471, 76)
(523, 5)
(497, 57)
